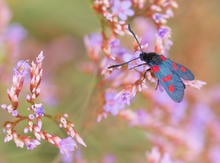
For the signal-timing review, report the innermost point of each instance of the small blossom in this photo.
(9, 108)
(63, 122)
(139, 3)
(31, 144)
(93, 43)
(159, 18)
(195, 83)
(26, 129)
(14, 113)
(65, 115)
(36, 128)
(163, 32)
(37, 135)
(28, 97)
(4, 106)
(21, 68)
(40, 57)
(67, 146)
(31, 116)
(122, 9)
(116, 49)
(39, 122)
(18, 142)
(80, 140)
(124, 96)
(169, 13)
(8, 138)
(39, 111)
(101, 116)
(112, 106)
(156, 8)
(101, 6)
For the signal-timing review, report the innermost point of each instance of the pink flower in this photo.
(125, 96)
(40, 58)
(122, 9)
(39, 111)
(112, 105)
(159, 18)
(31, 144)
(195, 83)
(116, 49)
(21, 68)
(93, 43)
(67, 146)
(14, 113)
(163, 32)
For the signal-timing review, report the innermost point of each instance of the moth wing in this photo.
(170, 81)
(180, 70)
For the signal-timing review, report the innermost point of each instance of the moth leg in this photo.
(157, 85)
(138, 66)
(145, 74)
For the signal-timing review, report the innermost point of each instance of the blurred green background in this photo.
(58, 27)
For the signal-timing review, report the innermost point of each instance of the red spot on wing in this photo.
(175, 66)
(182, 69)
(155, 68)
(171, 88)
(167, 78)
(163, 58)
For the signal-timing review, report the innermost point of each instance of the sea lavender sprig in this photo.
(37, 112)
(162, 118)
(112, 14)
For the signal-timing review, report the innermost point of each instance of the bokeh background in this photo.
(58, 28)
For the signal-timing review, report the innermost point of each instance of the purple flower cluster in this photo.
(112, 105)
(34, 119)
(67, 146)
(171, 127)
(116, 12)
(122, 9)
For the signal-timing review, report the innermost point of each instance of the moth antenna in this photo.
(130, 30)
(113, 66)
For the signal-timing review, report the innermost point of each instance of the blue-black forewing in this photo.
(169, 80)
(184, 72)
(179, 69)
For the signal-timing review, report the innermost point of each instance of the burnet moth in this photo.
(168, 73)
